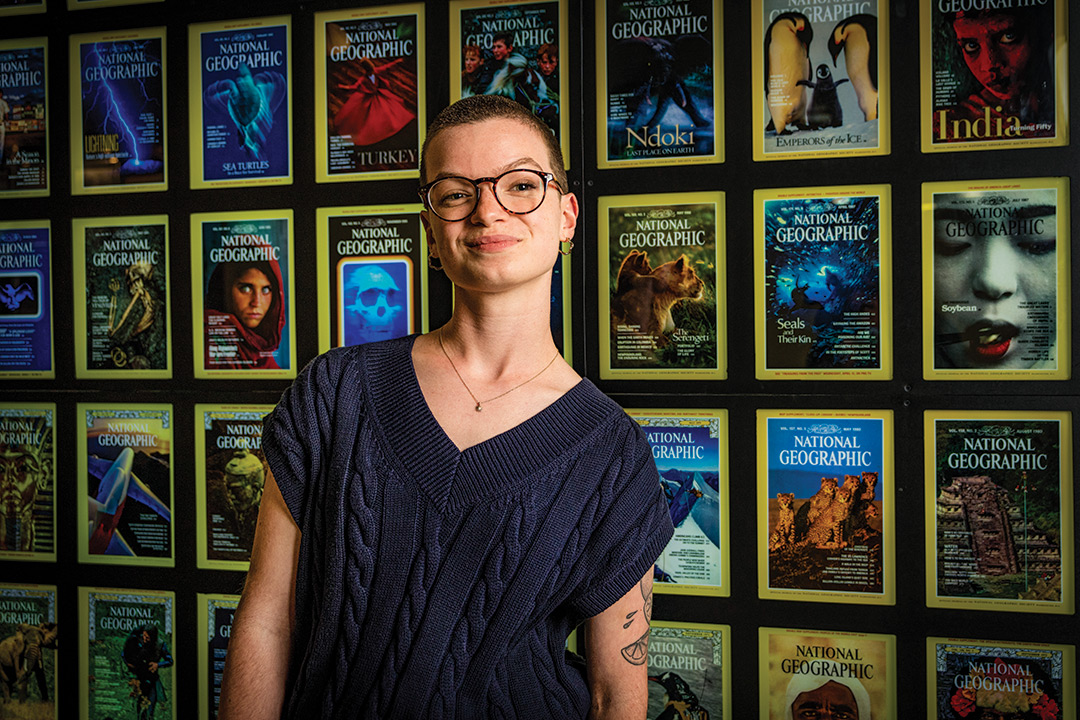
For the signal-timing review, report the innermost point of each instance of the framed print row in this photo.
(127, 657)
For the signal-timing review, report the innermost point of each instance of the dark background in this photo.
(908, 395)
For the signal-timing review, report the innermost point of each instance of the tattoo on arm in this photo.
(637, 652)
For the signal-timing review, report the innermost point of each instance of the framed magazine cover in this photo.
(659, 80)
(517, 50)
(826, 514)
(821, 78)
(996, 280)
(28, 448)
(29, 612)
(662, 286)
(823, 283)
(689, 670)
(215, 618)
(994, 78)
(370, 99)
(25, 116)
(26, 315)
(999, 510)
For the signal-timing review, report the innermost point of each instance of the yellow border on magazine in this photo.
(38, 409)
(322, 139)
(702, 417)
(1061, 89)
(44, 590)
(602, 99)
(609, 202)
(49, 374)
(1063, 607)
(23, 9)
(195, 101)
(1063, 325)
(757, 99)
(78, 187)
(79, 226)
(20, 44)
(202, 551)
(90, 4)
(454, 64)
(885, 310)
(322, 260)
(886, 484)
(724, 631)
(203, 602)
(198, 298)
(82, 483)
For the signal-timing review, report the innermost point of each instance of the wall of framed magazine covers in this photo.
(932, 382)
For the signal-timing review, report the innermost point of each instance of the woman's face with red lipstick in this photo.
(995, 278)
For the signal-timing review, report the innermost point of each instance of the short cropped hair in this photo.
(478, 108)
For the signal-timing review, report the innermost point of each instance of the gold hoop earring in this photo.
(433, 262)
(569, 248)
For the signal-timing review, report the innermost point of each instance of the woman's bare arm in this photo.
(616, 649)
(258, 657)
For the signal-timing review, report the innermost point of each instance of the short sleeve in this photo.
(297, 434)
(632, 528)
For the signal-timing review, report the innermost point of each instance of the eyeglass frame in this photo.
(549, 179)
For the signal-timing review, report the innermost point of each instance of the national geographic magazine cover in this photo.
(239, 102)
(125, 475)
(823, 69)
(28, 647)
(215, 626)
(242, 288)
(372, 274)
(662, 294)
(28, 501)
(369, 93)
(517, 50)
(823, 288)
(996, 271)
(690, 449)
(24, 117)
(122, 309)
(825, 511)
(26, 318)
(803, 672)
(230, 472)
(659, 79)
(118, 112)
(689, 671)
(997, 679)
(127, 654)
(999, 521)
(994, 74)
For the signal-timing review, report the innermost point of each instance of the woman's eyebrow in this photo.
(955, 214)
(1035, 211)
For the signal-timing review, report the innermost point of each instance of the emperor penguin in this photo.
(857, 37)
(787, 61)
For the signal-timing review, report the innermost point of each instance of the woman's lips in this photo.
(989, 340)
(492, 243)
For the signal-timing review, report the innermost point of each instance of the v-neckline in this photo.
(451, 477)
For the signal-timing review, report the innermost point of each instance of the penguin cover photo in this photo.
(689, 671)
(372, 274)
(215, 619)
(240, 78)
(823, 290)
(125, 482)
(802, 672)
(659, 77)
(230, 473)
(118, 117)
(122, 297)
(24, 120)
(368, 101)
(28, 639)
(824, 74)
(994, 74)
(994, 678)
(126, 643)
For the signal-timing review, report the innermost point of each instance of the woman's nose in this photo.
(995, 276)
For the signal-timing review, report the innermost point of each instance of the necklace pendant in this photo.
(478, 407)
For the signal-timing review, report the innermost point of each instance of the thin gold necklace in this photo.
(479, 403)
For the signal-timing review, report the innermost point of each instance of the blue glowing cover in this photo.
(25, 300)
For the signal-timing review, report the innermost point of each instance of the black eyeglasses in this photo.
(518, 191)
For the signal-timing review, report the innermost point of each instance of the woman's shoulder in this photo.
(364, 359)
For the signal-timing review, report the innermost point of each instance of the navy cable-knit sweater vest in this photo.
(434, 583)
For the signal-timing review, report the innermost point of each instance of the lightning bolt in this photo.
(114, 111)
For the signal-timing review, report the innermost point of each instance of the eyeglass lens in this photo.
(519, 191)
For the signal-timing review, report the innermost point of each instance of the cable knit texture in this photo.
(434, 583)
